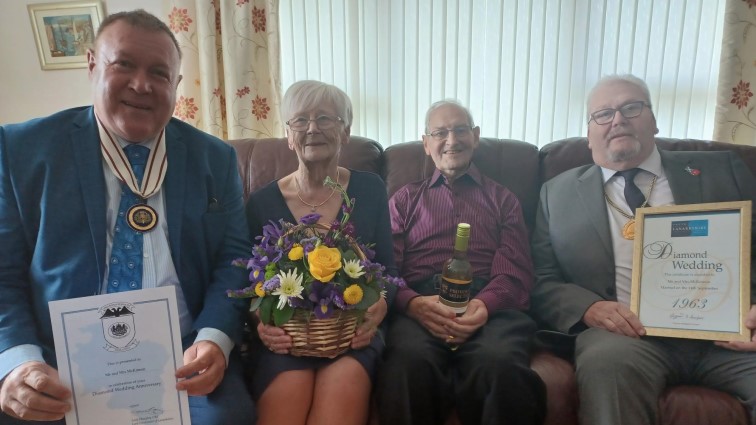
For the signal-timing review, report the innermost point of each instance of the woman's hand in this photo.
(369, 327)
(275, 338)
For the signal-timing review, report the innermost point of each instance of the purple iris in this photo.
(310, 219)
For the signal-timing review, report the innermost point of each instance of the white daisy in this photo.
(353, 268)
(291, 286)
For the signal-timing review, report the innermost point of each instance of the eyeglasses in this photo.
(324, 122)
(443, 134)
(628, 110)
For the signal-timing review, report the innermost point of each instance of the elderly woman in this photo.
(309, 390)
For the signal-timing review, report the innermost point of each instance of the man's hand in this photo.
(204, 367)
(33, 392)
(750, 323)
(433, 315)
(614, 317)
(464, 326)
(367, 330)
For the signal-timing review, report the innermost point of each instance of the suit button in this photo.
(610, 291)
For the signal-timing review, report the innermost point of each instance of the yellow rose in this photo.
(296, 252)
(324, 262)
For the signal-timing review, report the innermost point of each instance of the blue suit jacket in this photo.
(53, 223)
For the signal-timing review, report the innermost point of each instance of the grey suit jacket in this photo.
(572, 246)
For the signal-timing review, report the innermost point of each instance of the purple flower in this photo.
(347, 210)
(338, 300)
(349, 229)
(272, 284)
(396, 281)
(310, 219)
(256, 275)
(297, 302)
(323, 309)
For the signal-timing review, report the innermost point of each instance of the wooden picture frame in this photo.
(691, 270)
(64, 31)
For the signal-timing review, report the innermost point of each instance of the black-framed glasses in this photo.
(443, 133)
(628, 110)
(324, 122)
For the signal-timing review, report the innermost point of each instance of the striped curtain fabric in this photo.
(522, 66)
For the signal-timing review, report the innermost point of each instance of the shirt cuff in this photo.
(216, 336)
(15, 356)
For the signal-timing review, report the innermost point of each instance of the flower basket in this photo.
(313, 280)
(321, 337)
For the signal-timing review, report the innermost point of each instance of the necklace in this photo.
(628, 230)
(314, 207)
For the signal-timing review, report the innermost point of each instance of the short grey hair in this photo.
(310, 94)
(447, 102)
(627, 78)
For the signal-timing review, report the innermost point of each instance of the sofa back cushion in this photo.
(263, 160)
(565, 154)
(511, 163)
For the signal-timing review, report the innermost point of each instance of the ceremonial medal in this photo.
(142, 217)
(628, 230)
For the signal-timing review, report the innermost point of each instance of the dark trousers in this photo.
(487, 379)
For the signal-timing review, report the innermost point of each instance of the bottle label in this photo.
(455, 293)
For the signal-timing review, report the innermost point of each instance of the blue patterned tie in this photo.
(126, 254)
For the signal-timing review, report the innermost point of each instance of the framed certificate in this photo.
(691, 270)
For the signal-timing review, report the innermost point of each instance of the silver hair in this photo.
(447, 102)
(627, 78)
(310, 94)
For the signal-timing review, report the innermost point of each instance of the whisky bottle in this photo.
(456, 275)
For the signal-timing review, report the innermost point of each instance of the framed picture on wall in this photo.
(64, 31)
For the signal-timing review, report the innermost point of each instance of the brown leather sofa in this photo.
(522, 168)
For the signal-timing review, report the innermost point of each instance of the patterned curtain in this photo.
(735, 117)
(231, 85)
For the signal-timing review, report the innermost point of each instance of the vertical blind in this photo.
(523, 67)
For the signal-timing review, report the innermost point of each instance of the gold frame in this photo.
(744, 209)
(53, 55)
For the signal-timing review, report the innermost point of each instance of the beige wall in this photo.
(26, 91)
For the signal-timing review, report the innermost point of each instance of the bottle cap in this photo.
(463, 230)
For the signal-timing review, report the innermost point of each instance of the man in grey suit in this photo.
(65, 186)
(584, 294)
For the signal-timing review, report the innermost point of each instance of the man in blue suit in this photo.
(62, 180)
(583, 254)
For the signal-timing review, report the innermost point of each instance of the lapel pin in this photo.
(692, 171)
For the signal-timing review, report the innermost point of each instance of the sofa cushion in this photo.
(263, 160)
(562, 155)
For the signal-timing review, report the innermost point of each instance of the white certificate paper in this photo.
(691, 272)
(118, 353)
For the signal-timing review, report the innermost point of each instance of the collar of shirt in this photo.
(472, 172)
(652, 164)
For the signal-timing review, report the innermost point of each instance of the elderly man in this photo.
(487, 378)
(583, 261)
(65, 184)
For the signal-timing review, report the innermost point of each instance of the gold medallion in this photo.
(628, 230)
(142, 217)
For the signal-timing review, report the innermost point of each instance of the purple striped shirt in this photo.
(424, 217)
